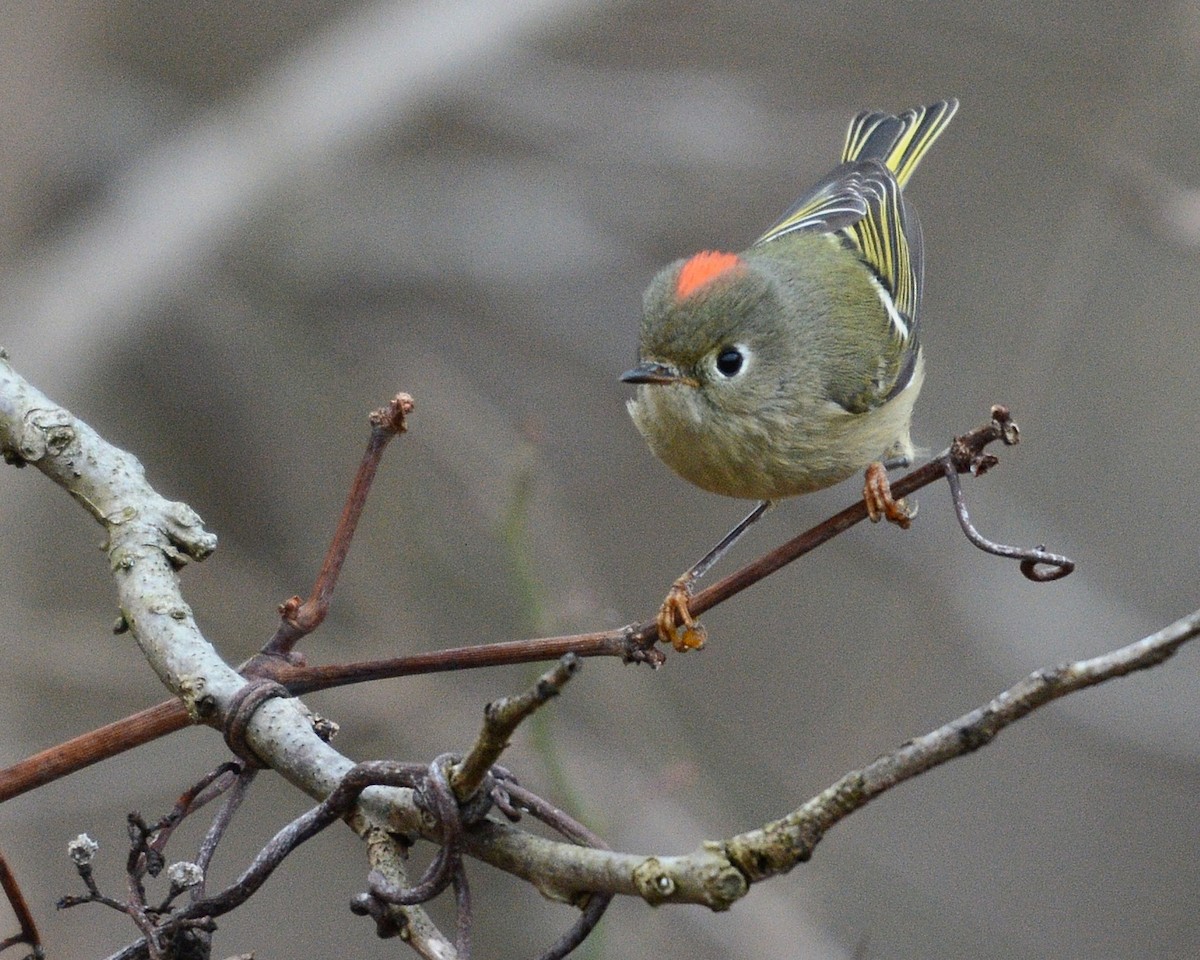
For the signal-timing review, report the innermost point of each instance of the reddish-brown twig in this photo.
(28, 932)
(965, 455)
(82, 751)
(300, 618)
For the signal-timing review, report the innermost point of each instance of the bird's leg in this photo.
(675, 622)
(877, 492)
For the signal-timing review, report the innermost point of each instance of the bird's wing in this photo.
(861, 204)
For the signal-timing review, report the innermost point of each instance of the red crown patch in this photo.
(703, 269)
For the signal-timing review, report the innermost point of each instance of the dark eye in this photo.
(729, 361)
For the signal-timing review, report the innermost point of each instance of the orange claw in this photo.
(676, 624)
(877, 492)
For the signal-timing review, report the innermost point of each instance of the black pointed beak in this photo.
(651, 371)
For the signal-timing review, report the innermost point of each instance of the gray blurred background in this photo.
(229, 230)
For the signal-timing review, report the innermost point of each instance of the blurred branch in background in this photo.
(165, 217)
(1168, 209)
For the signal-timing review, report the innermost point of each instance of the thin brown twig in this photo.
(27, 926)
(82, 751)
(965, 455)
(301, 618)
(216, 830)
(208, 788)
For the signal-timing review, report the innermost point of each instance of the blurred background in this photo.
(227, 231)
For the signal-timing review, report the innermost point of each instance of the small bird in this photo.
(788, 367)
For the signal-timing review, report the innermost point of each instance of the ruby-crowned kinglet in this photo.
(796, 363)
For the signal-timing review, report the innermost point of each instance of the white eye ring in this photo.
(731, 360)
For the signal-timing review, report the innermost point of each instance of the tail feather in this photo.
(897, 142)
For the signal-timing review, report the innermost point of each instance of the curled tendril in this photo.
(1037, 564)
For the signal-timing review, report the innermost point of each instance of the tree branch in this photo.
(150, 537)
(500, 721)
(720, 872)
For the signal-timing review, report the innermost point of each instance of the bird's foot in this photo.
(676, 625)
(877, 492)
